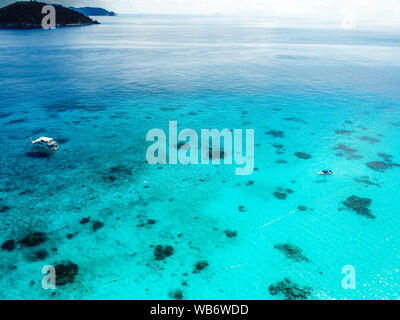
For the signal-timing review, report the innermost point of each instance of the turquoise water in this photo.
(99, 89)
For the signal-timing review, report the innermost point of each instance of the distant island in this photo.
(90, 11)
(28, 15)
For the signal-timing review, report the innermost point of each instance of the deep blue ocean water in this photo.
(303, 87)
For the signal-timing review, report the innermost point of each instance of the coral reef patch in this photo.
(162, 252)
(303, 155)
(292, 252)
(290, 290)
(176, 294)
(360, 206)
(33, 239)
(200, 265)
(230, 233)
(381, 166)
(96, 225)
(346, 151)
(8, 245)
(276, 133)
(66, 272)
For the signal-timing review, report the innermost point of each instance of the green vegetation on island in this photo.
(91, 11)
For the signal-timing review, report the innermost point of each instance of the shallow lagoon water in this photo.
(332, 93)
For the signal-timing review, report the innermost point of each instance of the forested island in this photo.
(90, 11)
(28, 15)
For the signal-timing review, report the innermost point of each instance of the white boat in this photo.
(45, 142)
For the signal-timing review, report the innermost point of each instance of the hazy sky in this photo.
(357, 9)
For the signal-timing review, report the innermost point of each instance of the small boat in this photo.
(46, 143)
(323, 172)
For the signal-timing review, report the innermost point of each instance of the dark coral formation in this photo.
(280, 195)
(121, 170)
(366, 180)
(303, 155)
(119, 115)
(176, 294)
(360, 206)
(386, 157)
(15, 121)
(276, 133)
(230, 233)
(302, 208)
(4, 115)
(33, 239)
(149, 222)
(117, 172)
(343, 132)
(40, 255)
(378, 166)
(295, 120)
(290, 290)
(345, 148)
(65, 272)
(8, 245)
(292, 252)
(84, 220)
(242, 208)
(110, 178)
(200, 265)
(348, 152)
(97, 225)
(71, 106)
(381, 166)
(162, 252)
(25, 192)
(369, 139)
(279, 148)
(4, 208)
(395, 124)
(173, 108)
